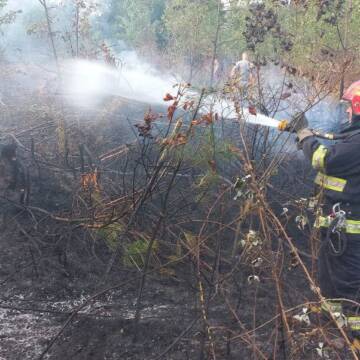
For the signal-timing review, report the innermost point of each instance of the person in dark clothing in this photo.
(338, 180)
(11, 171)
(12, 183)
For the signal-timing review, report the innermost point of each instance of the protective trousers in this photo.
(339, 277)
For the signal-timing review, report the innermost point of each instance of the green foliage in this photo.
(309, 33)
(232, 38)
(8, 17)
(111, 234)
(201, 153)
(191, 27)
(135, 252)
(186, 30)
(313, 29)
(206, 149)
(137, 22)
(209, 180)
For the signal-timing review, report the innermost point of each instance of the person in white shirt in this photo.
(242, 74)
(242, 81)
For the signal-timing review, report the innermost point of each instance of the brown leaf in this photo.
(252, 110)
(234, 149)
(178, 139)
(150, 116)
(168, 97)
(171, 110)
(207, 118)
(90, 181)
(285, 96)
(212, 164)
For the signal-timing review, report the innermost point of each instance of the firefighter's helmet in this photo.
(352, 95)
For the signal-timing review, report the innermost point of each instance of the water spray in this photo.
(87, 83)
(286, 126)
(252, 116)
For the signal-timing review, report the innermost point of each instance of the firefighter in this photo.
(12, 183)
(338, 179)
(10, 170)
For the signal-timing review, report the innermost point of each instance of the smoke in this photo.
(88, 83)
(16, 44)
(84, 83)
(322, 112)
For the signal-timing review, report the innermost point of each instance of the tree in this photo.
(138, 23)
(191, 27)
(7, 17)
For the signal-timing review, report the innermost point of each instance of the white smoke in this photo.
(87, 83)
(27, 39)
(84, 83)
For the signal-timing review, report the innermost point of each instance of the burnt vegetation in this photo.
(167, 231)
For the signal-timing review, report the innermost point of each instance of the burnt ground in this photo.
(39, 291)
(49, 268)
(37, 297)
(35, 304)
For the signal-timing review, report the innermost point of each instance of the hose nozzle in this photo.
(284, 125)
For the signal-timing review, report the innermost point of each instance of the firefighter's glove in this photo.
(298, 122)
(302, 135)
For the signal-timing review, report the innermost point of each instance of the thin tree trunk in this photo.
(51, 34)
(216, 41)
(344, 46)
(77, 14)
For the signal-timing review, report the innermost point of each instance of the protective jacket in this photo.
(338, 167)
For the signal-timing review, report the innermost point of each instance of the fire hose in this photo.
(285, 125)
(290, 126)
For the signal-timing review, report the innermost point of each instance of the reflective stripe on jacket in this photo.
(338, 167)
(351, 226)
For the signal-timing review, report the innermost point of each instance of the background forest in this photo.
(142, 216)
(184, 36)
